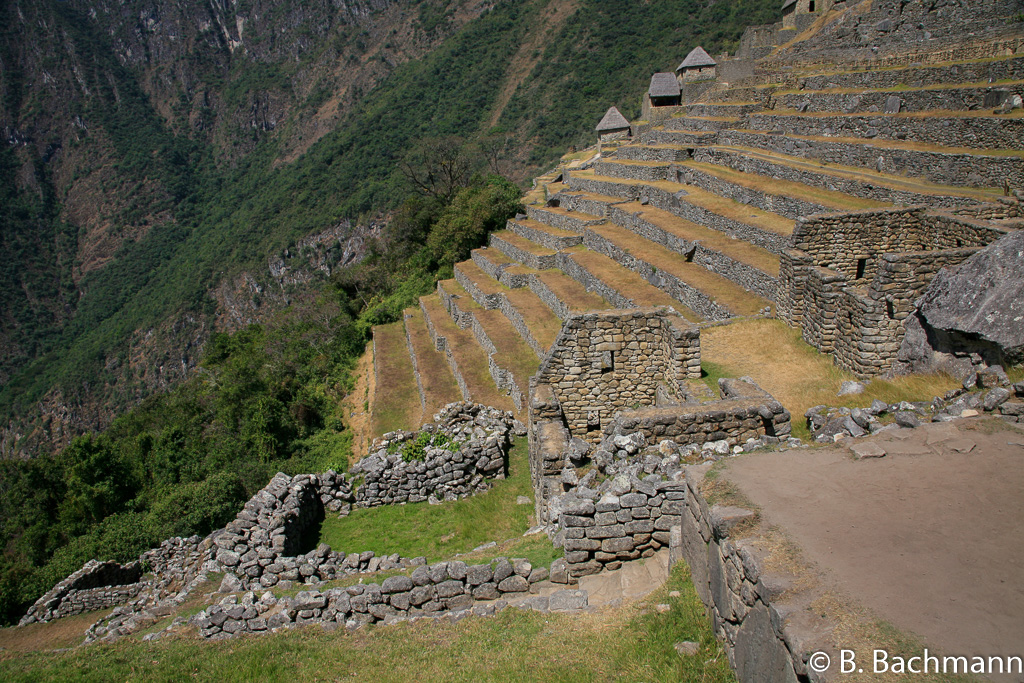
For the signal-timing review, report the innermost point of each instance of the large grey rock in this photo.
(981, 299)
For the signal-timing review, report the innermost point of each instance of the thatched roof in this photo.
(697, 58)
(613, 120)
(787, 4)
(664, 85)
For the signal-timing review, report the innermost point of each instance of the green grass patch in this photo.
(438, 532)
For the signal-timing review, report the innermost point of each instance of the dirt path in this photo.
(929, 537)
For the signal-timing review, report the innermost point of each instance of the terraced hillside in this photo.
(695, 210)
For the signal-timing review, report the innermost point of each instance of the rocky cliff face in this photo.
(108, 110)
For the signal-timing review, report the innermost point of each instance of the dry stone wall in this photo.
(852, 279)
(939, 167)
(97, 585)
(605, 361)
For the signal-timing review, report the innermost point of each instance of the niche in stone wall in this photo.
(862, 266)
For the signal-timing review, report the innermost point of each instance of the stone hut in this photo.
(664, 90)
(698, 66)
(613, 126)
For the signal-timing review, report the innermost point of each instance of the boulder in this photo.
(978, 306)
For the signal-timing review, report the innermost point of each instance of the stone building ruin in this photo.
(851, 280)
(612, 127)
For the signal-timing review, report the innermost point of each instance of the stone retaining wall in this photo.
(498, 301)
(630, 171)
(767, 632)
(541, 262)
(938, 167)
(780, 204)
(691, 297)
(941, 99)
(746, 276)
(919, 76)
(986, 132)
(851, 186)
(675, 202)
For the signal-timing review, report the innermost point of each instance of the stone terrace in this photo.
(698, 209)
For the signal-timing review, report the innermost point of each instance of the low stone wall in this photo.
(472, 444)
(765, 638)
(603, 533)
(544, 238)
(541, 262)
(948, 169)
(715, 109)
(97, 585)
(500, 302)
(628, 171)
(429, 591)
(975, 132)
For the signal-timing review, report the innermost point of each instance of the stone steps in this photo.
(469, 363)
(934, 163)
(847, 186)
(535, 322)
(963, 129)
(434, 380)
(709, 295)
(510, 360)
(961, 97)
(545, 235)
(757, 226)
(396, 402)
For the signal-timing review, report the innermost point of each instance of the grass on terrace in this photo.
(396, 403)
(440, 531)
(632, 644)
(775, 356)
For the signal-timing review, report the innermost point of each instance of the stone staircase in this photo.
(696, 210)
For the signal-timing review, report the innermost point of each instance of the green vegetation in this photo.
(514, 645)
(266, 399)
(440, 531)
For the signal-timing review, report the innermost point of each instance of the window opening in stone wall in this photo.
(810, 6)
(690, 254)
(593, 422)
(890, 309)
(608, 361)
(862, 264)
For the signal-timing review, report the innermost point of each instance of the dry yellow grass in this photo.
(439, 386)
(738, 250)
(800, 377)
(571, 293)
(787, 188)
(724, 291)
(396, 403)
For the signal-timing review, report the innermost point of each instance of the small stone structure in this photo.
(613, 127)
(474, 442)
(604, 361)
(698, 66)
(851, 280)
(96, 585)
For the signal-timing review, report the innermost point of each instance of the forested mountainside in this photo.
(174, 171)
